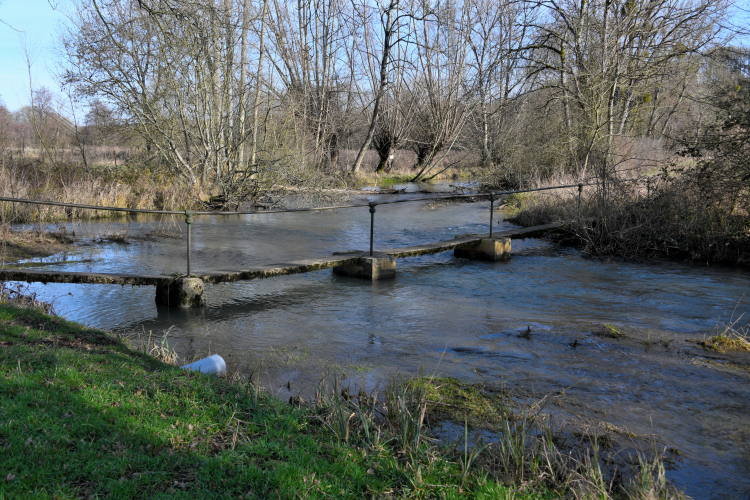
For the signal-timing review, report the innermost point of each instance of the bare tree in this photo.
(176, 73)
(497, 34)
(438, 89)
(308, 52)
(606, 53)
(380, 43)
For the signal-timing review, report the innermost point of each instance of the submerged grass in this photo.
(450, 399)
(32, 243)
(82, 414)
(610, 331)
(731, 336)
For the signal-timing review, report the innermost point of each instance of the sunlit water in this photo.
(447, 316)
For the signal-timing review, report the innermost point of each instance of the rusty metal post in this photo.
(580, 190)
(189, 222)
(372, 224)
(492, 210)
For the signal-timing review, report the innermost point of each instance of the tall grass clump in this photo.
(531, 452)
(397, 420)
(521, 448)
(729, 335)
(668, 215)
(125, 187)
(150, 345)
(20, 295)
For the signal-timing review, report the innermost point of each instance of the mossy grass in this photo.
(610, 331)
(451, 399)
(365, 179)
(729, 336)
(726, 341)
(83, 414)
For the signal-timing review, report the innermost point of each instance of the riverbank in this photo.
(16, 246)
(84, 414)
(642, 219)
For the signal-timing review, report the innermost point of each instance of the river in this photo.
(450, 317)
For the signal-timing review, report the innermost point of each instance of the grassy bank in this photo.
(665, 216)
(82, 414)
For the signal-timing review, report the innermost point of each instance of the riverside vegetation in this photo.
(85, 414)
(694, 205)
(643, 218)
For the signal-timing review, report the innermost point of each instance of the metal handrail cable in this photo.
(372, 204)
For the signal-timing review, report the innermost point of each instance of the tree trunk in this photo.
(388, 33)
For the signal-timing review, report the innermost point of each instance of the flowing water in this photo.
(451, 317)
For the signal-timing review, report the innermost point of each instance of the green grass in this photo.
(724, 342)
(729, 336)
(83, 414)
(370, 178)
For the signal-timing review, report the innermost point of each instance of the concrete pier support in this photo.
(379, 266)
(486, 249)
(182, 292)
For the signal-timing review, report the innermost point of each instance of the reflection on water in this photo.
(452, 317)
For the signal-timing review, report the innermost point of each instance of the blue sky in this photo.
(39, 20)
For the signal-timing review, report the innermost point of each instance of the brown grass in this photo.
(31, 243)
(668, 216)
(122, 187)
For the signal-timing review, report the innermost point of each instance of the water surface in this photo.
(450, 317)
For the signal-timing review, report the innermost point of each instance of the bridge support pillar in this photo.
(486, 249)
(182, 292)
(376, 267)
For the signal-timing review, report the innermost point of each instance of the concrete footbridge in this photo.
(188, 290)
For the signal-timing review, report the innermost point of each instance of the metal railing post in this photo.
(189, 222)
(372, 224)
(492, 210)
(648, 187)
(580, 190)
